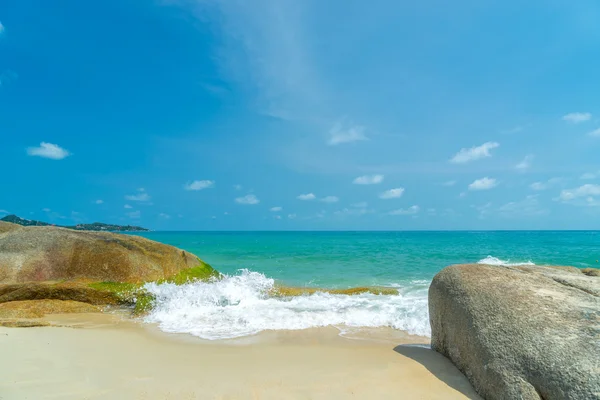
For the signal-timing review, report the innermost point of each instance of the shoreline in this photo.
(104, 356)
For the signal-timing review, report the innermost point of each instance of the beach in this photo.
(108, 356)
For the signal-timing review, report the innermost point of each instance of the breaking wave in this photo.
(240, 305)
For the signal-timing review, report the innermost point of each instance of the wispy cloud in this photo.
(339, 134)
(249, 199)
(276, 209)
(330, 199)
(392, 194)
(466, 155)
(483, 184)
(134, 214)
(292, 216)
(1, 28)
(525, 164)
(352, 212)
(589, 176)
(577, 117)
(585, 195)
(412, 210)
(4, 212)
(307, 196)
(46, 210)
(127, 206)
(141, 196)
(368, 179)
(238, 187)
(594, 133)
(544, 185)
(99, 201)
(449, 183)
(528, 207)
(48, 150)
(199, 185)
(361, 204)
(164, 216)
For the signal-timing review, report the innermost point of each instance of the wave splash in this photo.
(489, 260)
(240, 305)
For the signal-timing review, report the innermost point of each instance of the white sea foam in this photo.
(489, 260)
(239, 305)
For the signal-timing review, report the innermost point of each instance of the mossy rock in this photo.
(300, 291)
(34, 254)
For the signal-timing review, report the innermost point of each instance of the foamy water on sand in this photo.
(240, 305)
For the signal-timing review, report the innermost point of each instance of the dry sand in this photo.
(103, 356)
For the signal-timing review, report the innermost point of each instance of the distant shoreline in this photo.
(96, 226)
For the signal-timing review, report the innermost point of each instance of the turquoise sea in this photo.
(253, 261)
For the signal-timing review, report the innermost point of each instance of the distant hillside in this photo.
(96, 226)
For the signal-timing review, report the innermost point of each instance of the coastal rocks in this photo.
(50, 253)
(523, 332)
(56, 270)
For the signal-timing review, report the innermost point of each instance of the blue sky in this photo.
(301, 115)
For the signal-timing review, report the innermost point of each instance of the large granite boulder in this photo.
(524, 332)
(49, 254)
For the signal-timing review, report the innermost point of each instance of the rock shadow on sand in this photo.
(440, 367)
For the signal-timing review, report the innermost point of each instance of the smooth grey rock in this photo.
(524, 332)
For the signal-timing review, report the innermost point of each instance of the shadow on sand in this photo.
(439, 366)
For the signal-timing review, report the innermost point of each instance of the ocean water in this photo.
(253, 262)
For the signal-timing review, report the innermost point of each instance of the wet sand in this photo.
(103, 356)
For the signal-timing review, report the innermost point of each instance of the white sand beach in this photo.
(104, 356)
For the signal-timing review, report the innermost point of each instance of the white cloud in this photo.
(412, 210)
(164, 216)
(127, 206)
(483, 184)
(368, 180)
(474, 153)
(238, 187)
(338, 134)
(48, 150)
(582, 195)
(248, 199)
(595, 133)
(392, 194)
(449, 183)
(462, 194)
(278, 217)
(525, 164)
(577, 117)
(307, 196)
(276, 209)
(291, 216)
(199, 185)
(46, 210)
(330, 199)
(142, 196)
(134, 214)
(99, 201)
(361, 204)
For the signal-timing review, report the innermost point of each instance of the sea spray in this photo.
(490, 260)
(241, 305)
